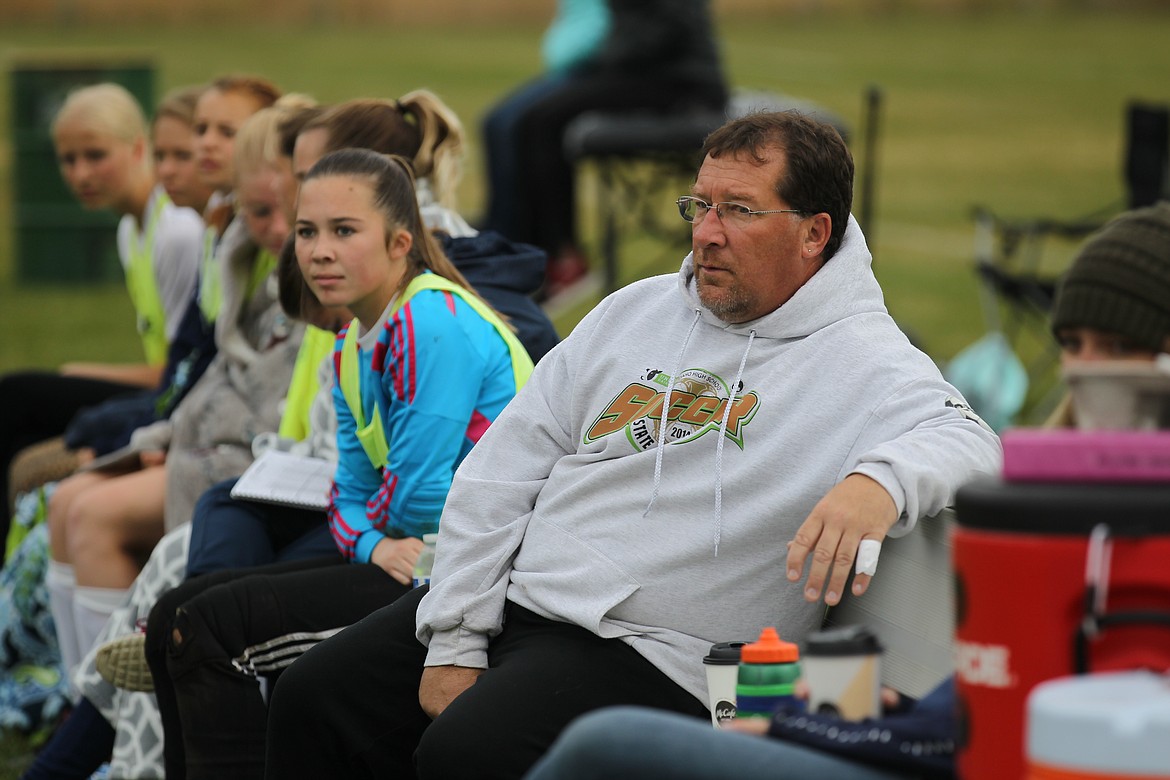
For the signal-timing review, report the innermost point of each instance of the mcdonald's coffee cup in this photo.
(722, 665)
(842, 668)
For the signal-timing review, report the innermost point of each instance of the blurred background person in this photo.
(104, 154)
(103, 525)
(627, 55)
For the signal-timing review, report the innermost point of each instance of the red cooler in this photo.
(1051, 580)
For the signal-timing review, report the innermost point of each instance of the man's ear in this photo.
(818, 229)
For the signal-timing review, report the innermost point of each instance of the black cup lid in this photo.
(724, 653)
(846, 640)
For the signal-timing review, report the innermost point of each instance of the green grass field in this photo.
(1022, 112)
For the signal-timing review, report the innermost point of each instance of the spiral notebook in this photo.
(288, 480)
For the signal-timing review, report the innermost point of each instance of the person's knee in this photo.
(86, 536)
(299, 690)
(598, 731)
(193, 639)
(598, 744)
(63, 498)
(159, 623)
(182, 632)
(212, 499)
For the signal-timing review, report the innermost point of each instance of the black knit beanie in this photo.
(1120, 280)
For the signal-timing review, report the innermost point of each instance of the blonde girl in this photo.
(252, 333)
(104, 155)
(103, 526)
(220, 111)
(100, 138)
(173, 136)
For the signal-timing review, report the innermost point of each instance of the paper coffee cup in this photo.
(722, 665)
(842, 668)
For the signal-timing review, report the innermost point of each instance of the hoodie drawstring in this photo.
(665, 411)
(722, 435)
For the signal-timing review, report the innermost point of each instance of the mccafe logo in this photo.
(724, 710)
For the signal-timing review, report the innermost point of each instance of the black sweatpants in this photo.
(349, 707)
(38, 405)
(209, 639)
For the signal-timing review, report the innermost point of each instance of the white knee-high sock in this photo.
(61, 584)
(92, 607)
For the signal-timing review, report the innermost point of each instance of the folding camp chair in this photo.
(1010, 374)
(1018, 282)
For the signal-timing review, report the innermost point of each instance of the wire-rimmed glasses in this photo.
(694, 209)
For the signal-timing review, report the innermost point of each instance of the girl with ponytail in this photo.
(421, 372)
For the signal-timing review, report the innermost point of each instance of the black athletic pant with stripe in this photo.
(349, 707)
(209, 639)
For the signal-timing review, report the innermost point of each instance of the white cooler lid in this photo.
(1116, 722)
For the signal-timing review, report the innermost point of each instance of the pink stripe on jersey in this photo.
(412, 384)
(337, 352)
(379, 358)
(478, 426)
(377, 504)
(378, 507)
(396, 351)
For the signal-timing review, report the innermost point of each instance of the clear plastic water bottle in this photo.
(426, 560)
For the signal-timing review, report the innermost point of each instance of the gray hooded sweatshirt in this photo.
(569, 507)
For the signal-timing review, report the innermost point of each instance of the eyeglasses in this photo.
(694, 209)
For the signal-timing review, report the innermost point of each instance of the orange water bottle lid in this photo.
(769, 649)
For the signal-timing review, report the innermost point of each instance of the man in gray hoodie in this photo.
(633, 504)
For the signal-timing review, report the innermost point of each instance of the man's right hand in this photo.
(441, 684)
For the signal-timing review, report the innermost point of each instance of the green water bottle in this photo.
(768, 671)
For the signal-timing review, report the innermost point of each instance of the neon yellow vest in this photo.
(211, 281)
(210, 284)
(316, 345)
(143, 289)
(372, 436)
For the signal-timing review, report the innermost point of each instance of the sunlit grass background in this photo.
(1021, 111)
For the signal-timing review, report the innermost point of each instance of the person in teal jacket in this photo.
(422, 371)
(408, 387)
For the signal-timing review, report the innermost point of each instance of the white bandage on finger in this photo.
(867, 556)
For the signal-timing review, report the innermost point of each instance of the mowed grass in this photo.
(1022, 112)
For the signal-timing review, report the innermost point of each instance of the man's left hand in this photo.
(857, 508)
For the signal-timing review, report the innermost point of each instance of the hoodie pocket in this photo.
(565, 578)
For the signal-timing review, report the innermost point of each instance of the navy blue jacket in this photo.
(506, 274)
(107, 426)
